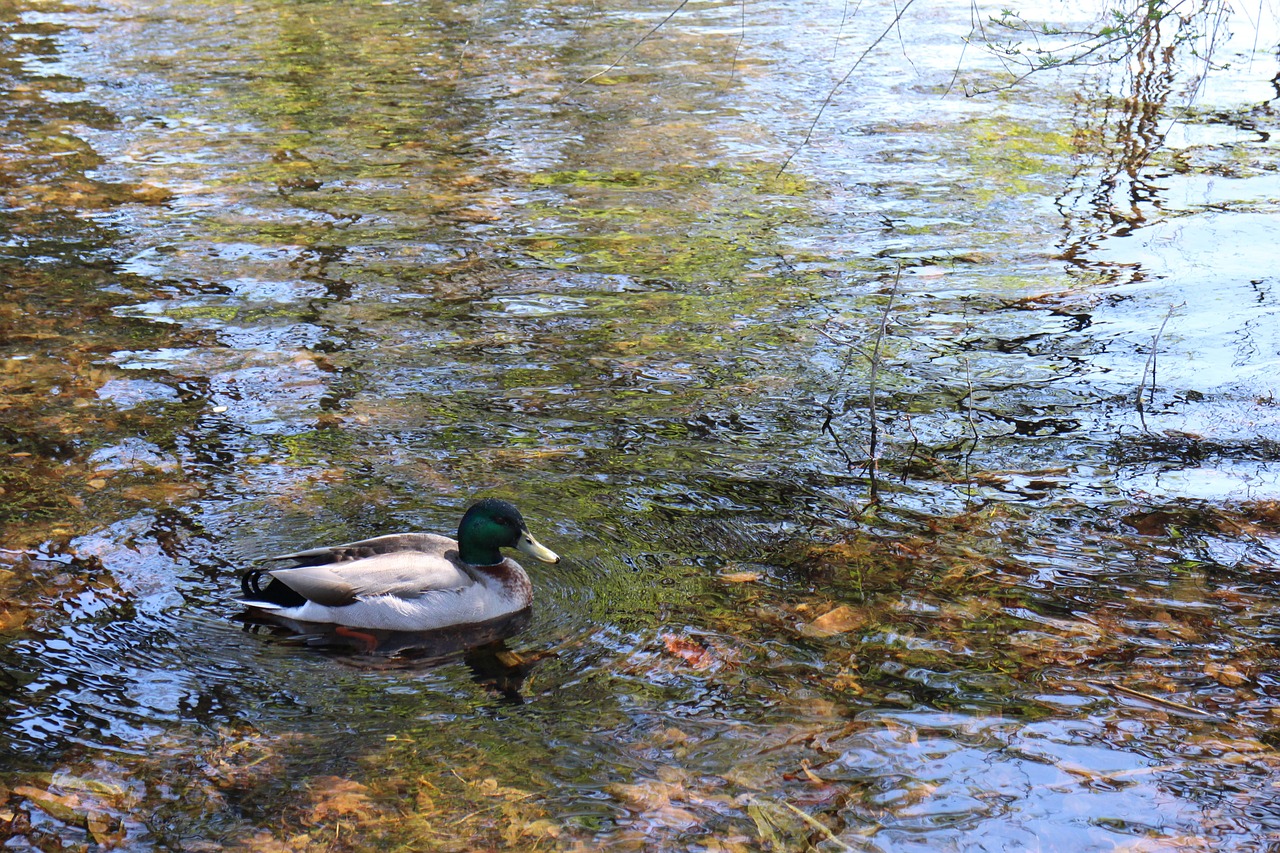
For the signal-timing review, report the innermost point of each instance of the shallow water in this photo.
(284, 274)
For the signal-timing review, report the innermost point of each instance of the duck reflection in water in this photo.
(482, 647)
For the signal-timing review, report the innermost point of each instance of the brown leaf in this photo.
(107, 831)
(1148, 524)
(670, 736)
(13, 620)
(473, 215)
(848, 682)
(646, 796)
(673, 817)
(337, 797)
(1225, 674)
(64, 808)
(14, 822)
(839, 621)
(155, 493)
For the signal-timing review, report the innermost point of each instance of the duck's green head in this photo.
(492, 524)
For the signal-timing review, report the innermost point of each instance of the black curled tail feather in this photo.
(251, 583)
(274, 592)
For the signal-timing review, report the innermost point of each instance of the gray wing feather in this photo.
(404, 574)
(421, 543)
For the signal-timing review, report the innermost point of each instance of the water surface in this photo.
(281, 274)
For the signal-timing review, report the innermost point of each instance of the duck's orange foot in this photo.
(369, 640)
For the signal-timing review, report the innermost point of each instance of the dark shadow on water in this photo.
(482, 647)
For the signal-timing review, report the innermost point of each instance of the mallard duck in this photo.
(406, 581)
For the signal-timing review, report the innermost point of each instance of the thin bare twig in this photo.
(903, 44)
(975, 20)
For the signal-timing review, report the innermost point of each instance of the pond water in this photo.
(280, 274)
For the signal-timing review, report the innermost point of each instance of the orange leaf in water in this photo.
(691, 652)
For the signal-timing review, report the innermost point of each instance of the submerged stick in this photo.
(1167, 704)
(763, 807)
(818, 825)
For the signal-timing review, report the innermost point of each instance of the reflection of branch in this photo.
(1150, 367)
(1134, 27)
(626, 52)
(873, 464)
(1118, 187)
(832, 92)
(974, 15)
(915, 446)
(742, 36)
(828, 412)
(844, 16)
(973, 427)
